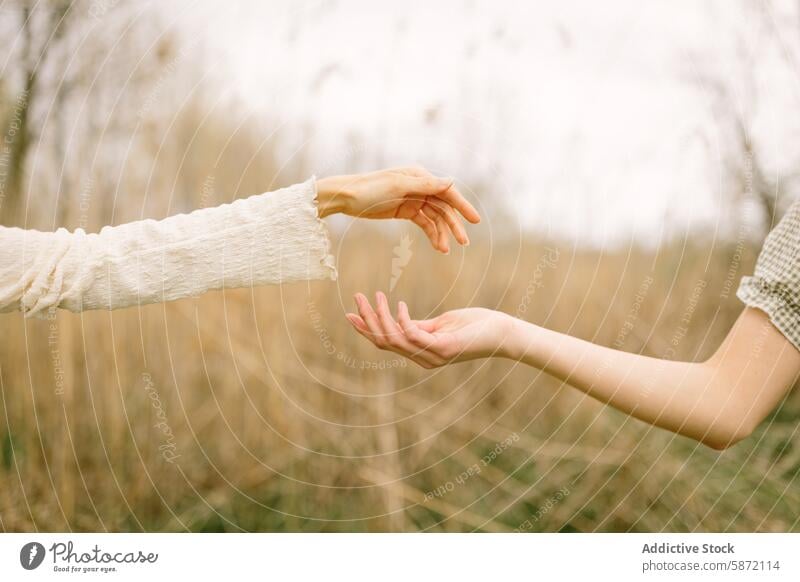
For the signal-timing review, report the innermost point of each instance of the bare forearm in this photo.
(703, 400)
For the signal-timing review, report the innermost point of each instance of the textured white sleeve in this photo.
(269, 238)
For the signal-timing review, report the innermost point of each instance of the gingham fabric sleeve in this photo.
(775, 286)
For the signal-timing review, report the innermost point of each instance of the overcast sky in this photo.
(581, 116)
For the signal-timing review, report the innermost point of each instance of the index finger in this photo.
(455, 199)
(445, 190)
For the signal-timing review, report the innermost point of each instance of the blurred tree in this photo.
(76, 74)
(735, 88)
(39, 32)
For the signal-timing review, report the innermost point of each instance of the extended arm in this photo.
(252, 241)
(268, 238)
(717, 402)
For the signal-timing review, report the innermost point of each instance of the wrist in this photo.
(333, 195)
(512, 344)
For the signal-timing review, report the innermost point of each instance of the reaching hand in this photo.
(454, 336)
(407, 193)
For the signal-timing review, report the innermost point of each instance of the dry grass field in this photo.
(259, 409)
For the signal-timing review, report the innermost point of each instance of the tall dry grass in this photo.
(284, 420)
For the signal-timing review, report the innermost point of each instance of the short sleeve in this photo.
(775, 286)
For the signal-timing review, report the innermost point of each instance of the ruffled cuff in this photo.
(321, 243)
(295, 235)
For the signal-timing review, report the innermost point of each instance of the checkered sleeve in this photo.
(775, 286)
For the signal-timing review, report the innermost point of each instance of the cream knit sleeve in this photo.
(269, 238)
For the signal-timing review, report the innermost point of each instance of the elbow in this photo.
(721, 443)
(725, 435)
(722, 426)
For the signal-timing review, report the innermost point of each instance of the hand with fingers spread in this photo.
(434, 204)
(454, 336)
